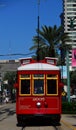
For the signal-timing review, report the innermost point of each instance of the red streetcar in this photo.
(38, 88)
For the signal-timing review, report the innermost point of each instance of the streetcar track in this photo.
(41, 127)
(60, 127)
(63, 126)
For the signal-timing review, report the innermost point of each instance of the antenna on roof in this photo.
(38, 31)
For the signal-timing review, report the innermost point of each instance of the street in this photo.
(6, 110)
(8, 121)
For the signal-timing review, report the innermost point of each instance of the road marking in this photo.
(68, 125)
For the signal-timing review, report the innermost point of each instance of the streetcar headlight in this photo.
(38, 104)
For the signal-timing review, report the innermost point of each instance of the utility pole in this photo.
(67, 60)
(38, 58)
(68, 75)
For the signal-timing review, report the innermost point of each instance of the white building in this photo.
(69, 14)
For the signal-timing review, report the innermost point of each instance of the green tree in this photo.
(48, 38)
(10, 77)
(64, 38)
(51, 39)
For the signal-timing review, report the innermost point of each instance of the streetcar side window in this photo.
(25, 86)
(51, 86)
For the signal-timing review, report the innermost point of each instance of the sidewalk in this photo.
(69, 118)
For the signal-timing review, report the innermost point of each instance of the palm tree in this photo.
(48, 37)
(64, 38)
(49, 41)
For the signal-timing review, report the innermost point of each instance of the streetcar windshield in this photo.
(38, 86)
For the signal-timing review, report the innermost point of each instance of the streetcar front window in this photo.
(25, 86)
(51, 87)
(38, 86)
(52, 84)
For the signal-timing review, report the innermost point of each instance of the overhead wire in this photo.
(15, 54)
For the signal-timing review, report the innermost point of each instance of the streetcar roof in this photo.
(38, 66)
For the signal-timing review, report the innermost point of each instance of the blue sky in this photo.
(18, 23)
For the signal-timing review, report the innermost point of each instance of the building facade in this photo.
(8, 66)
(69, 15)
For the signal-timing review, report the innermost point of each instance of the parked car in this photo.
(73, 97)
